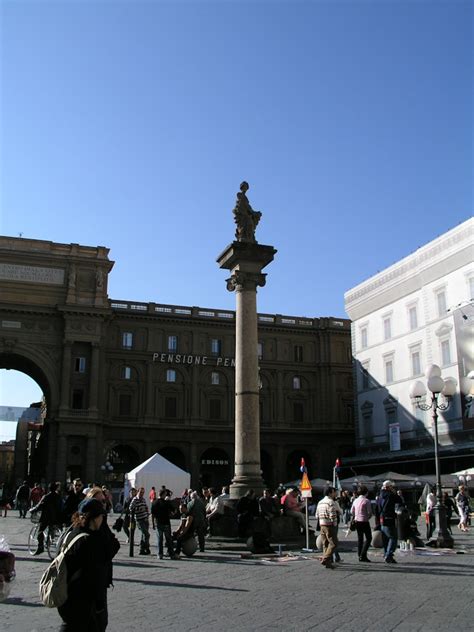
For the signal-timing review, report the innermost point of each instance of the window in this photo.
(126, 373)
(171, 407)
(78, 399)
(388, 370)
(387, 328)
(296, 383)
(80, 365)
(413, 317)
(125, 404)
(214, 409)
(262, 411)
(365, 375)
(216, 347)
(415, 363)
(260, 350)
(127, 340)
(173, 344)
(364, 337)
(171, 375)
(298, 412)
(215, 378)
(441, 302)
(298, 351)
(445, 353)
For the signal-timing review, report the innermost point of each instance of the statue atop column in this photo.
(245, 217)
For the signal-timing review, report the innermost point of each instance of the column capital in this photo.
(241, 281)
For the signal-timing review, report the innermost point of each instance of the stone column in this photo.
(94, 379)
(61, 458)
(245, 260)
(66, 376)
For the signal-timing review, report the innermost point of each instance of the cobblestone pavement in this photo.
(218, 590)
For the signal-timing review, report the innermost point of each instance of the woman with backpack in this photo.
(87, 563)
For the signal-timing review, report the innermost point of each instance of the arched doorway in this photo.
(173, 455)
(293, 463)
(26, 398)
(215, 468)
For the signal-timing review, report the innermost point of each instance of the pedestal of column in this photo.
(246, 260)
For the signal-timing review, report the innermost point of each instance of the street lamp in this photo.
(107, 467)
(437, 386)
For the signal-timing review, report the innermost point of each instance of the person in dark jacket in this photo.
(247, 510)
(73, 499)
(22, 499)
(386, 504)
(51, 514)
(161, 511)
(111, 544)
(87, 569)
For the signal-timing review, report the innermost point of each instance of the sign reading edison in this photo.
(184, 358)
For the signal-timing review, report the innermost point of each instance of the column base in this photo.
(241, 484)
(444, 540)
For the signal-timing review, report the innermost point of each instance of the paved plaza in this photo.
(218, 590)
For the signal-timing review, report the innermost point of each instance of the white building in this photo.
(417, 312)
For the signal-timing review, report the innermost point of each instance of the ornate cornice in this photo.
(438, 250)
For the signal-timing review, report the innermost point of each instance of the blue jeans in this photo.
(163, 531)
(390, 539)
(145, 530)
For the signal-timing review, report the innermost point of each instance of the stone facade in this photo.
(123, 380)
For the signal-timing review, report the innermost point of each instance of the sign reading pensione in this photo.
(184, 358)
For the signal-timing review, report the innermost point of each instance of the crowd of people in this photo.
(392, 517)
(84, 509)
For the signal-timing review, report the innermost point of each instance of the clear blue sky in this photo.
(132, 124)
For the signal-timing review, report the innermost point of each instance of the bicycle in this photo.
(52, 536)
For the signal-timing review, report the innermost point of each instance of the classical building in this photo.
(417, 312)
(7, 455)
(123, 380)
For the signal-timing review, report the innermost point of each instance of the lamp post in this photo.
(437, 386)
(107, 468)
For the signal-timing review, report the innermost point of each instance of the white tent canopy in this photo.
(155, 472)
(468, 472)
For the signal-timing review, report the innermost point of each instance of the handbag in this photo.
(118, 524)
(352, 525)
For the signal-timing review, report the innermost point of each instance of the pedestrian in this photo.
(110, 542)
(345, 504)
(22, 499)
(185, 531)
(387, 502)
(36, 495)
(86, 562)
(293, 508)
(450, 509)
(152, 497)
(361, 511)
(51, 514)
(326, 514)
(197, 510)
(108, 499)
(462, 503)
(139, 508)
(247, 510)
(430, 514)
(126, 512)
(161, 511)
(73, 499)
